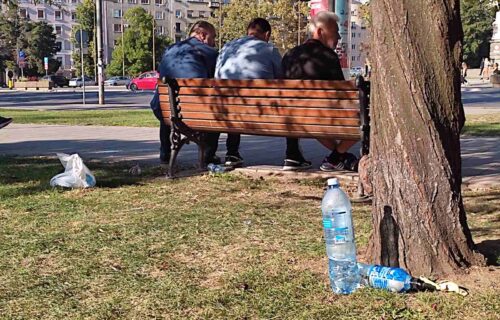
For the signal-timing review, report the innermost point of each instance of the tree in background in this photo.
(36, 39)
(138, 45)
(477, 19)
(282, 15)
(85, 17)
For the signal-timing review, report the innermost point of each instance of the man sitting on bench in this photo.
(194, 57)
(316, 60)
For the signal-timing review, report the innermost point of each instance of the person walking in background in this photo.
(464, 73)
(194, 57)
(4, 122)
(249, 57)
(481, 69)
(486, 70)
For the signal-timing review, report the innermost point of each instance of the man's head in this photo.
(203, 31)
(260, 29)
(324, 27)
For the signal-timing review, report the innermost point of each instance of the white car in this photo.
(117, 81)
(77, 82)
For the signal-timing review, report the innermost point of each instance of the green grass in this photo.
(120, 117)
(205, 247)
(483, 125)
(476, 125)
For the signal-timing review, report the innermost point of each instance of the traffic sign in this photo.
(82, 36)
(46, 63)
(22, 55)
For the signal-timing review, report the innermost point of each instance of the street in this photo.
(475, 99)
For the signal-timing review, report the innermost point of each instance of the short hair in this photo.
(322, 19)
(201, 25)
(259, 24)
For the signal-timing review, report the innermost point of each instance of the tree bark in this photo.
(417, 115)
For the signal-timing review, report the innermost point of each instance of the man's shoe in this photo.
(4, 122)
(234, 161)
(296, 165)
(339, 162)
(213, 159)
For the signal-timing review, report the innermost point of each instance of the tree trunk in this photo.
(417, 115)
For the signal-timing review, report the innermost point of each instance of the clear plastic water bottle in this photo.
(216, 168)
(339, 238)
(390, 278)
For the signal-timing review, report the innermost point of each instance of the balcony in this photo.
(213, 4)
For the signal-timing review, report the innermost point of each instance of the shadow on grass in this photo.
(33, 174)
(491, 250)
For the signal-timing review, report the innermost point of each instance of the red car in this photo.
(145, 81)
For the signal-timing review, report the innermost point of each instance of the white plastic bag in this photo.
(75, 175)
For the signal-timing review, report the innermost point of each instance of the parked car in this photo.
(77, 82)
(145, 81)
(57, 81)
(117, 81)
(356, 71)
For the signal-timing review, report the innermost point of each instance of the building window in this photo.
(117, 42)
(73, 16)
(144, 1)
(23, 13)
(353, 35)
(353, 58)
(159, 15)
(203, 14)
(117, 28)
(158, 2)
(178, 14)
(60, 59)
(190, 13)
(353, 25)
(117, 13)
(160, 30)
(59, 46)
(58, 30)
(353, 47)
(177, 39)
(58, 15)
(41, 14)
(75, 1)
(177, 27)
(132, 1)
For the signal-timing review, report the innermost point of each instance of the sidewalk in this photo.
(480, 155)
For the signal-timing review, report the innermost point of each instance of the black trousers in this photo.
(293, 149)
(211, 141)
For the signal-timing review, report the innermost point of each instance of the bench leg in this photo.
(177, 140)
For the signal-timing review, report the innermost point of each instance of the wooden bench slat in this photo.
(323, 121)
(275, 102)
(272, 111)
(281, 93)
(261, 83)
(280, 133)
(194, 124)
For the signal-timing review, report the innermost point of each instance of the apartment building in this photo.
(173, 18)
(61, 15)
(359, 36)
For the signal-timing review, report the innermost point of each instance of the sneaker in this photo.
(213, 159)
(4, 122)
(295, 165)
(234, 161)
(342, 161)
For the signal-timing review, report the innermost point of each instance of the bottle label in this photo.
(392, 279)
(341, 235)
(327, 223)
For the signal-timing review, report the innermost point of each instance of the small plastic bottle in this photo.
(216, 168)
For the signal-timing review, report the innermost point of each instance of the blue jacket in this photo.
(248, 58)
(190, 58)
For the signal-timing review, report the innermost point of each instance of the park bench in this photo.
(284, 108)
